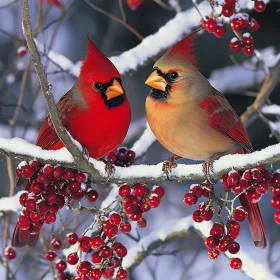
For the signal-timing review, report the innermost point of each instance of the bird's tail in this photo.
(255, 222)
(21, 237)
(254, 218)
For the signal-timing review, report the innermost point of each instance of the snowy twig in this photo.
(270, 82)
(176, 229)
(21, 149)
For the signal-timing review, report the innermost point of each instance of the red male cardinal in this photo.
(193, 120)
(96, 113)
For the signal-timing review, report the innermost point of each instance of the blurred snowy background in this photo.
(64, 31)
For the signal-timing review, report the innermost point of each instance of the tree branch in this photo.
(47, 91)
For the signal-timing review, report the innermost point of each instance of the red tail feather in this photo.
(255, 222)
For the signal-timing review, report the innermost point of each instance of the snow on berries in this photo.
(253, 183)
(238, 23)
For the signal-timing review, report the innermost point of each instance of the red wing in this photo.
(223, 118)
(47, 136)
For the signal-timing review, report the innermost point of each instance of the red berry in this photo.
(223, 245)
(134, 4)
(256, 175)
(235, 263)
(58, 172)
(43, 179)
(129, 207)
(48, 170)
(220, 31)
(74, 186)
(207, 214)
(248, 51)
(49, 218)
(248, 40)
(83, 244)
(260, 6)
(227, 10)
(240, 214)
(68, 174)
(116, 245)
(236, 25)
(95, 258)
(80, 177)
(78, 195)
(207, 189)
(43, 208)
(262, 188)
(196, 189)
(110, 230)
(35, 216)
(36, 188)
(130, 155)
(158, 190)
(84, 268)
(121, 251)
(190, 199)
(73, 258)
(275, 191)
(122, 274)
(92, 196)
(277, 217)
(225, 182)
(136, 215)
(60, 265)
(140, 190)
(254, 25)
(211, 25)
(235, 45)
(35, 165)
(10, 253)
(131, 198)
(50, 256)
(230, 2)
(125, 227)
(56, 243)
(22, 198)
(234, 248)
(202, 23)
(24, 222)
(196, 216)
(108, 273)
(211, 242)
(96, 274)
(213, 254)
(275, 180)
(144, 206)
(275, 202)
(51, 198)
(27, 171)
(115, 219)
(31, 204)
(253, 196)
(115, 262)
(154, 200)
(142, 223)
(247, 176)
(105, 252)
(96, 242)
(217, 230)
(233, 228)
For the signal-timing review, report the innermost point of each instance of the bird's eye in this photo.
(174, 75)
(98, 86)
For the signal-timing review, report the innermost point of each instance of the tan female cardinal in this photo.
(193, 120)
(96, 113)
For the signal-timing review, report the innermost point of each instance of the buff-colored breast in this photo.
(184, 130)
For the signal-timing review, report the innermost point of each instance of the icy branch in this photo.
(176, 229)
(21, 149)
(10, 203)
(271, 110)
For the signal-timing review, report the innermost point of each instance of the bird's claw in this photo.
(207, 167)
(110, 169)
(85, 152)
(168, 165)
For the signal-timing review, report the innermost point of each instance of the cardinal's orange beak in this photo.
(114, 90)
(156, 81)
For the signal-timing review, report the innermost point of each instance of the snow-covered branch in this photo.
(176, 229)
(183, 23)
(21, 149)
(10, 203)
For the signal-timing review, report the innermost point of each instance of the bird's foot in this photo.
(169, 164)
(85, 152)
(109, 169)
(207, 166)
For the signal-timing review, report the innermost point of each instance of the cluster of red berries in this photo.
(142, 201)
(121, 157)
(106, 256)
(239, 22)
(48, 189)
(134, 4)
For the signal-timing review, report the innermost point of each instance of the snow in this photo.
(141, 146)
(244, 77)
(271, 109)
(11, 203)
